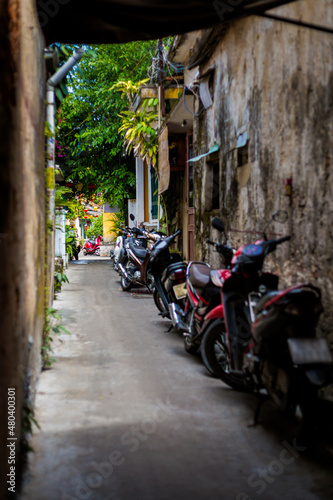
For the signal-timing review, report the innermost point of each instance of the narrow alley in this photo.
(125, 413)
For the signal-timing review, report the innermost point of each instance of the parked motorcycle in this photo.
(203, 297)
(265, 339)
(169, 273)
(134, 262)
(117, 254)
(92, 246)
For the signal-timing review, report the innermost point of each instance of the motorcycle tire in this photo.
(150, 282)
(158, 302)
(190, 346)
(84, 251)
(98, 252)
(214, 353)
(125, 284)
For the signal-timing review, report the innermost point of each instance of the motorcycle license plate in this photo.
(308, 351)
(180, 291)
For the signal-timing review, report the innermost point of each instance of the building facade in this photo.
(269, 125)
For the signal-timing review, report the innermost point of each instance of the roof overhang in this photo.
(119, 21)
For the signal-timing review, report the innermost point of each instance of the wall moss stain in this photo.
(22, 94)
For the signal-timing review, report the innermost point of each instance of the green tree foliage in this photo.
(96, 228)
(140, 135)
(89, 146)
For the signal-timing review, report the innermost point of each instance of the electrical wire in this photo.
(184, 102)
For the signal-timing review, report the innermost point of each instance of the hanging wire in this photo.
(184, 102)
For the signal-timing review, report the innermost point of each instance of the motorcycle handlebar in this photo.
(282, 240)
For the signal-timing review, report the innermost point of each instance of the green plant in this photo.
(28, 419)
(139, 134)
(96, 228)
(59, 279)
(61, 195)
(70, 242)
(74, 209)
(51, 326)
(117, 221)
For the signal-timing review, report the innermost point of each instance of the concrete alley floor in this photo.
(127, 414)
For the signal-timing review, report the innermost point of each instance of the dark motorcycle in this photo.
(265, 339)
(120, 252)
(169, 272)
(134, 263)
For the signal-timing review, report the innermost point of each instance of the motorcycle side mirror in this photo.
(132, 217)
(280, 216)
(218, 224)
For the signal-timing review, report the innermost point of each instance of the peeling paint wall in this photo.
(22, 204)
(275, 81)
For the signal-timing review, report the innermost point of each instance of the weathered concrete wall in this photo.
(275, 81)
(21, 207)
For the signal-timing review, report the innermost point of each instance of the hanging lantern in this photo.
(91, 187)
(85, 217)
(96, 215)
(69, 184)
(95, 208)
(79, 186)
(85, 210)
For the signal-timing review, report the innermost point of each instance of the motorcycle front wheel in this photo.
(84, 251)
(215, 355)
(150, 281)
(158, 301)
(126, 284)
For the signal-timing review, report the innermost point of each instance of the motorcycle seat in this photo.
(176, 266)
(138, 251)
(199, 275)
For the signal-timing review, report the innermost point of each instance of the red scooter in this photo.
(92, 247)
(265, 339)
